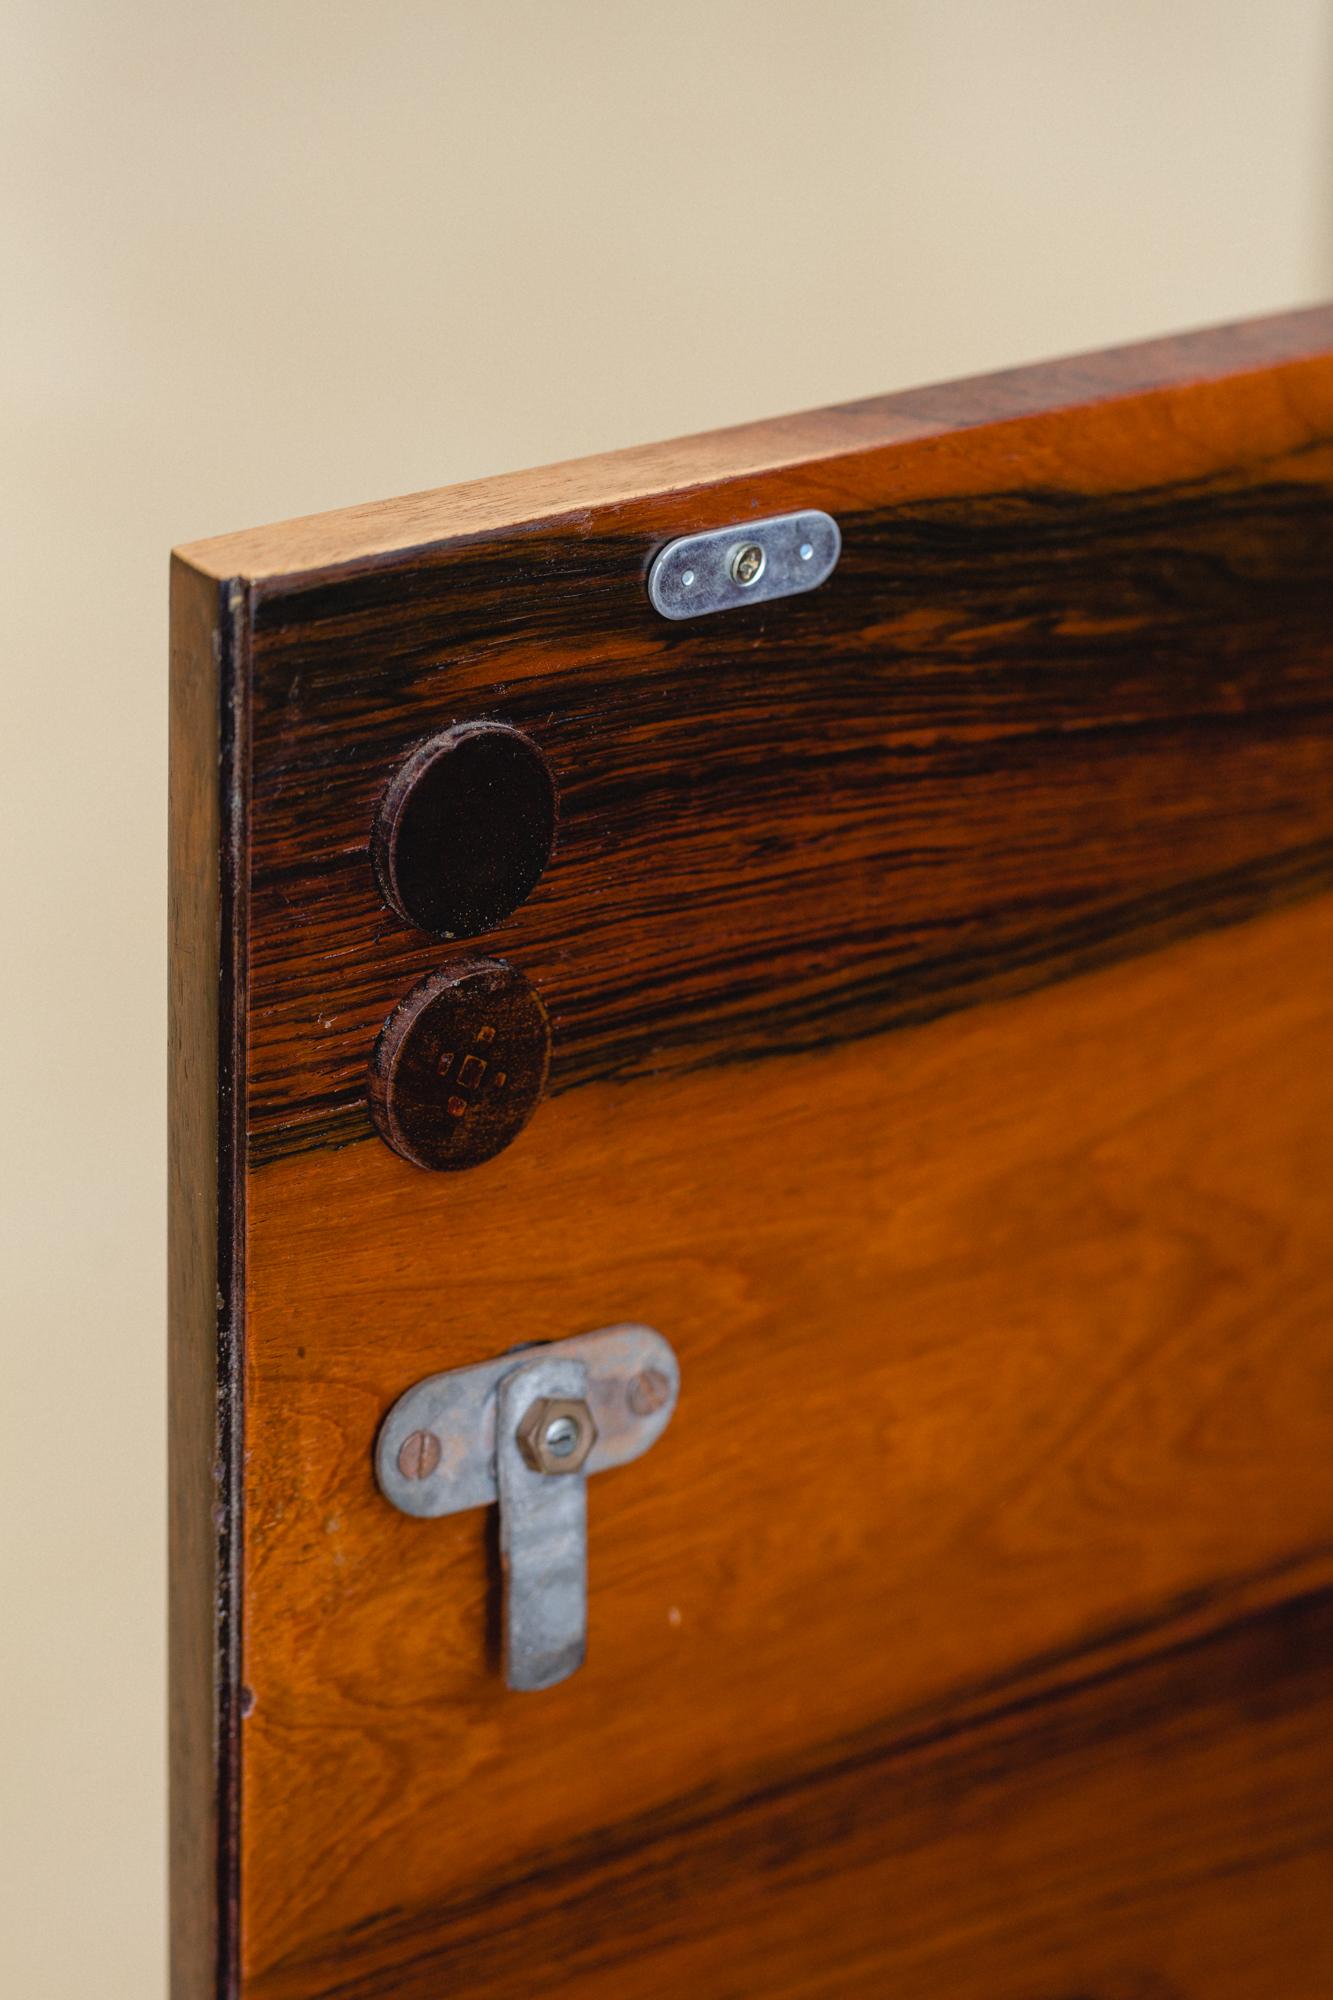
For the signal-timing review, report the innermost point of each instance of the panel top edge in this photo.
(350, 536)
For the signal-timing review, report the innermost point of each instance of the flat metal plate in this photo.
(543, 1534)
(458, 1409)
(694, 575)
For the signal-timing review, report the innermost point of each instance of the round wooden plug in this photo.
(460, 1065)
(465, 829)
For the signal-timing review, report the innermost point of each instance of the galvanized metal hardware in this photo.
(556, 1434)
(750, 563)
(528, 1429)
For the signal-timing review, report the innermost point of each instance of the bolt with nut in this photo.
(556, 1434)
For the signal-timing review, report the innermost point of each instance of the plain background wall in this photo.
(262, 258)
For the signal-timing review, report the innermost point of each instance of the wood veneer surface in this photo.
(938, 969)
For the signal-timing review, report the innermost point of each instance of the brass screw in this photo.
(556, 1434)
(648, 1392)
(418, 1455)
(747, 565)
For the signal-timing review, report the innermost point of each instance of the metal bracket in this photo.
(527, 1429)
(751, 562)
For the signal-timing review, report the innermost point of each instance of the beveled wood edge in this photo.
(206, 899)
(352, 535)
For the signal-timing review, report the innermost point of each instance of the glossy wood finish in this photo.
(905, 1866)
(969, 1630)
(1026, 727)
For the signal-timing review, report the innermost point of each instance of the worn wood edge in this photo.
(206, 921)
(352, 535)
(1103, 1686)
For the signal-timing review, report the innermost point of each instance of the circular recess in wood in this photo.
(465, 829)
(460, 1065)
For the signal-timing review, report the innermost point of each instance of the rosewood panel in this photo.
(942, 1056)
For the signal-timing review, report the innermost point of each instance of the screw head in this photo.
(556, 1434)
(648, 1392)
(747, 564)
(418, 1455)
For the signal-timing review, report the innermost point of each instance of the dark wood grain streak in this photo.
(208, 923)
(876, 1813)
(1015, 736)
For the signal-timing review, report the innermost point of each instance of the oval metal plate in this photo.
(696, 574)
(459, 1409)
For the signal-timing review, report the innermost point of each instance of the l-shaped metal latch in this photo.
(527, 1429)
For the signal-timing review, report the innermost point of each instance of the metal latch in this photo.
(527, 1429)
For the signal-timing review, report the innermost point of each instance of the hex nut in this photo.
(537, 1421)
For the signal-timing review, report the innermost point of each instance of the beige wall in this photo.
(279, 255)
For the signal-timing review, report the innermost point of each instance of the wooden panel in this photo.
(938, 969)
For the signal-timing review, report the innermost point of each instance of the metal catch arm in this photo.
(527, 1429)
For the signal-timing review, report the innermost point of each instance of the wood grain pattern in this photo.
(968, 1632)
(1050, 1358)
(1025, 728)
(939, 1886)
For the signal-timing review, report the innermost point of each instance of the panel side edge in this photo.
(204, 1282)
